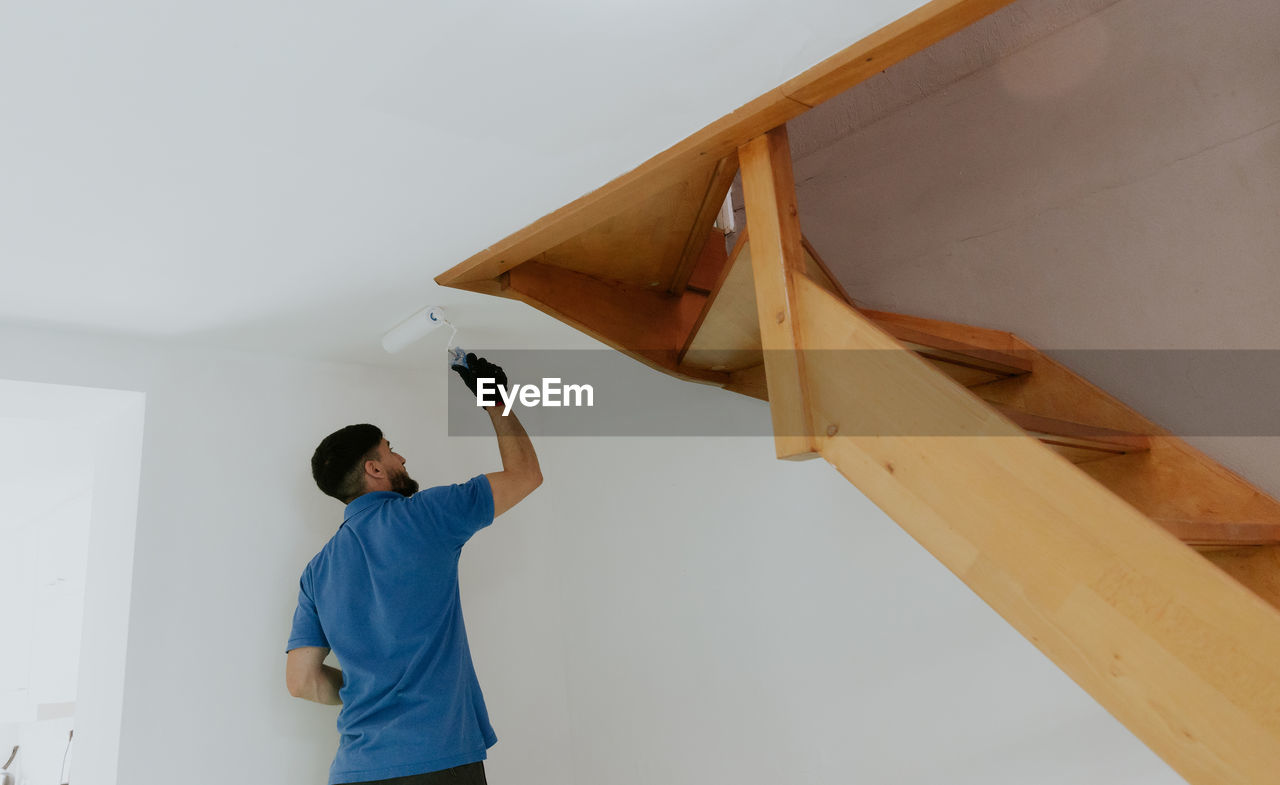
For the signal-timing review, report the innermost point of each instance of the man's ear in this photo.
(374, 470)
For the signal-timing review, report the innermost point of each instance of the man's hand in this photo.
(480, 368)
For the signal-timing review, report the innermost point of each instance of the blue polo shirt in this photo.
(383, 595)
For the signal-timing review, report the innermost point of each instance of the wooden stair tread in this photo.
(1228, 534)
(945, 350)
(1084, 442)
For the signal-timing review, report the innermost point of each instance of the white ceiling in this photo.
(289, 176)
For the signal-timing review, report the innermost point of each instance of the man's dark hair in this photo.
(338, 463)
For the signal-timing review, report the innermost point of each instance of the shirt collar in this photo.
(362, 503)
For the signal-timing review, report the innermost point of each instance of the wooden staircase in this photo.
(1067, 511)
(1145, 570)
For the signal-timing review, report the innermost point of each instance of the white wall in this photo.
(227, 517)
(732, 618)
(43, 560)
(107, 426)
(1113, 186)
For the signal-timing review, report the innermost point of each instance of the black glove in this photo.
(480, 368)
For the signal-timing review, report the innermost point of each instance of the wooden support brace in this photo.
(646, 325)
(777, 263)
(717, 190)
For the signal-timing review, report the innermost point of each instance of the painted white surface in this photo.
(46, 478)
(43, 750)
(101, 431)
(44, 540)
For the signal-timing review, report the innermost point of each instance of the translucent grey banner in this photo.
(1210, 392)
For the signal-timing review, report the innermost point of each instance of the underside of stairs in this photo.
(1145, 570)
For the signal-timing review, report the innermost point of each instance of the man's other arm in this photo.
(520, 471)
(309, 678)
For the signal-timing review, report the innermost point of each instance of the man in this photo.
(383, 595)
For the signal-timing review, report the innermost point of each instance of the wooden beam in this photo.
(1068, 433)
(1256, 568)
(750, 382)
(888, 46)
(1003, 346)
(717, 190)
(777, 261)
(1186, 657)
(726, 335)
(643, 324)
(820, 273)
(685, 160)
(938, 345)
(643, 245)
(970, 355)
(1219, 534)
(710, 265)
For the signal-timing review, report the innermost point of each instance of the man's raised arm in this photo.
(520, 473)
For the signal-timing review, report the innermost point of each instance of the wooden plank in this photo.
(968, 370)
(1256, 568)
(727, 336)
(639, 322)
(674, 165)
(820, 273)
(1003, 345)
(1073, 434)
(711, 264)
(1170, 481)
(777, 261)
(970, 355)
(963, 373)
(1186, 657)
(643, 245)
(888, 46)
(717, 189)
(942, 347)
(751, 382)
(680, 163)
(1216, 534)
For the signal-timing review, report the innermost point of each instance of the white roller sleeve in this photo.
(413, 328)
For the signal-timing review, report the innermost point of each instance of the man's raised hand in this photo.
(480, 368)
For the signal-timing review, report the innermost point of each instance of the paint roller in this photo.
(6, 778)
(418, 325)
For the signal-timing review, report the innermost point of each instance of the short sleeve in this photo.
(306, 621)
(457, 511)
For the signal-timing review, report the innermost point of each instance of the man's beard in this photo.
(403, 484)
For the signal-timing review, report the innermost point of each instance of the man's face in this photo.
(394, 464)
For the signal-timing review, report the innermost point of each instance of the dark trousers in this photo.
(470, 774)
